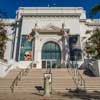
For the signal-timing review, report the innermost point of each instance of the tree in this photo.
(3, 39)
(93, 44)
(3, 33)
(94, 10)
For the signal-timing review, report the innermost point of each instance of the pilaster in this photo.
(37, 51)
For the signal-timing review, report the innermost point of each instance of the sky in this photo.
(10, 6)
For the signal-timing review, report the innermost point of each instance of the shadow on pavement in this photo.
(88, 73)
(83, 95)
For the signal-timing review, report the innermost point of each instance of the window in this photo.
(75, 48)
(51, 50)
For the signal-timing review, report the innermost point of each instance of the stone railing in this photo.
(4, 67)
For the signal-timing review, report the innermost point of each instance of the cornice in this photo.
(51, 14)
(46, 31)
(82, 20)
(51, 11)
(93, 23)
(50, 8)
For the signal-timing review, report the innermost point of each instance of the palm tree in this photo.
(94, 10)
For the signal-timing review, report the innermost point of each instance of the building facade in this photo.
(49, 37)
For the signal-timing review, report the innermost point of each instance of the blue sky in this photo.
(10, 6)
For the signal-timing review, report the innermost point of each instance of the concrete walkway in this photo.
(57, 96)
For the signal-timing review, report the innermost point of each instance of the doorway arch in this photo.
(51, 55)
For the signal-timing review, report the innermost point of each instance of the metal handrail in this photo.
(15, 82)
(80, 79)
(77, 78)
(19, 77)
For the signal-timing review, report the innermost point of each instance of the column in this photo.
(16, 39)
(37, 50)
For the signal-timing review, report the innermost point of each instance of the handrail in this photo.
(15, 81)
(19, 77)
(77, 78)
(80, 79)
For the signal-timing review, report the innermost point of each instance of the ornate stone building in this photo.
(48, 36)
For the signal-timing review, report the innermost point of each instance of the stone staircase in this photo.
(61, 81)
(6, 81)
(92, 83)
(33, 81)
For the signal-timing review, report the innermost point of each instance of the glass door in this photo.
(48, 64)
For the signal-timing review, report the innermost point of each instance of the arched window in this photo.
(51, 50)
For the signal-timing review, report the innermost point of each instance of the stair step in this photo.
(61, 80)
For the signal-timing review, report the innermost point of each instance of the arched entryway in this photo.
(51, 55)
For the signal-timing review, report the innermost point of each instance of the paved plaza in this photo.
(58, 96)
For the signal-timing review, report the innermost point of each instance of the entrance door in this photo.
(51, 55)
(48, 64)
